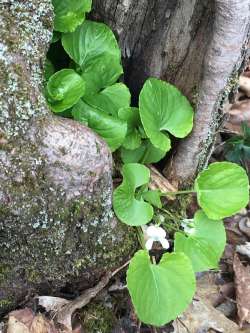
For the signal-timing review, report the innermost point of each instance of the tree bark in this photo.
(198, 45)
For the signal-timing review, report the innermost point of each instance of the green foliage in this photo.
(89, 42)
(163, 108)
(153, 197)
(64, 89)
(204, 243)
(70, 13)
(160, 292)
(222, 190)
(101, 73)
(146, 153)
(89, 93)
(237, 149)
(132, 118)
(110, 100)
(129, 209)
(110, 128)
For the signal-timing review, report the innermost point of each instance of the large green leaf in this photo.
(160, 292)
(204, 244)
(111, 129)
(111, 99)
(90, 41)
(70, 13)
(64, 89)
(222, 189)
(101, 73)
(127, 208)
(132, 117)
(145, 154)
(153, 197)
(163, 108)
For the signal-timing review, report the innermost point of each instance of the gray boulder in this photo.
(56, 221)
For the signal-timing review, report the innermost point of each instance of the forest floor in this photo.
(222, 301)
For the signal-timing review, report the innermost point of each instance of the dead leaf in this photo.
(244, 83)
(50, 303)
(244, 226)
(242, 281)
(25, 321)
(238, 112)
(244, 249)
(207, 288)
(202, 317)
(20, 321)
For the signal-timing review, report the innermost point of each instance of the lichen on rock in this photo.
(56, 219)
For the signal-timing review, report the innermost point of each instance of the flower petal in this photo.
(165, 243)
(149, 244)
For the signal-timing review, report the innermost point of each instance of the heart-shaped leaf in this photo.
(64, 89)
(132, 117)
(127, 208)
(163, 108)
(70, 13)
(90, 41)
(111, 129)
(146, 153)
(111, 99)
(204, 243)
(101, 73)
(222, 189)
(160, 292)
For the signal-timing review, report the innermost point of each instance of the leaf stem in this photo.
(177, 192)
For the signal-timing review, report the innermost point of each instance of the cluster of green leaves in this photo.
(237, 148)
(222, 190)
(88, 91)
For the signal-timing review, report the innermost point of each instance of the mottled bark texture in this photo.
(56, 222)
(198, 45)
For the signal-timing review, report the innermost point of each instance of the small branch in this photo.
(64, 315)
(159, 182)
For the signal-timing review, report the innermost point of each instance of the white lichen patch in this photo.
(26, 34)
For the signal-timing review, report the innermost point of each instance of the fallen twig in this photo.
(64, 315)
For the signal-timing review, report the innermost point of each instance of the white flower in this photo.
(156, 234)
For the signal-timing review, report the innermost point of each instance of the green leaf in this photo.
(111, 129)
(90, 41)
(160, 292)
(127, 208)
(145, 154)
(132, 117)
(111, 99)
(205, 243)
(163, 108)
(222, 189)
(69, 14)
(101, 73)
(153, 197)
(64, 89)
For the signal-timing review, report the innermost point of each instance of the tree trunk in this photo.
(56, 222)
(198, 45)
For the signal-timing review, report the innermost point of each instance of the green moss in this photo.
(97, 318)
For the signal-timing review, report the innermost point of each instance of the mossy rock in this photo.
(56, 221)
